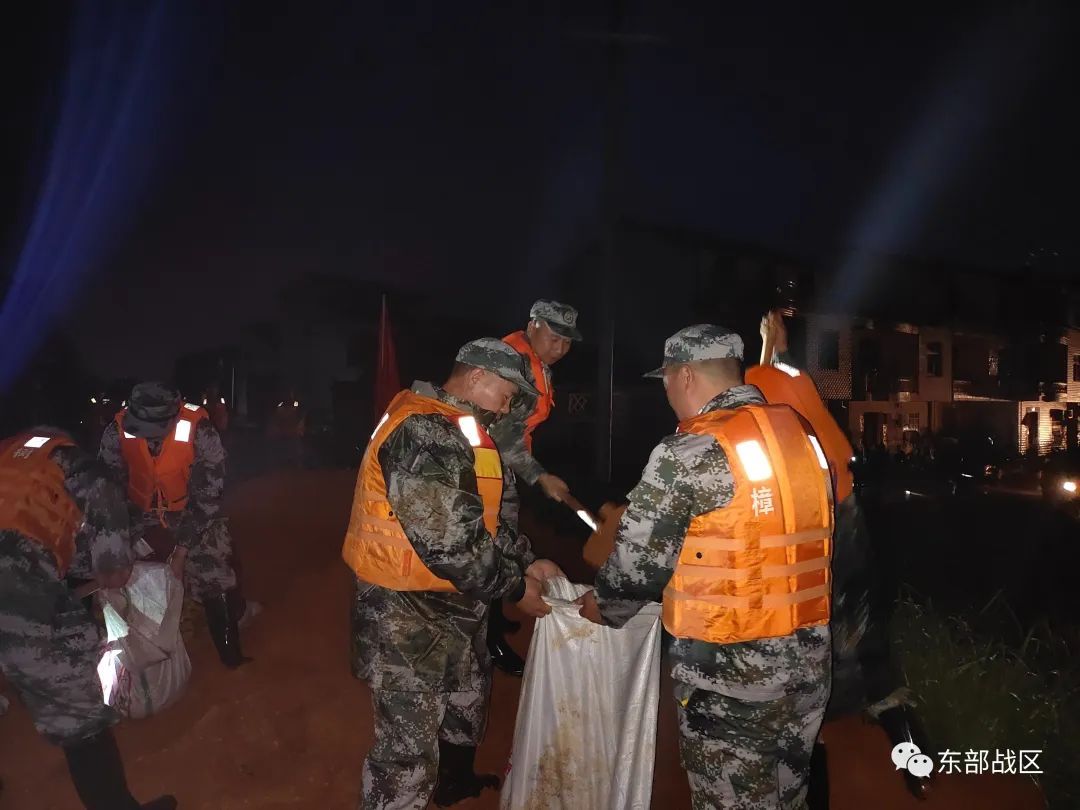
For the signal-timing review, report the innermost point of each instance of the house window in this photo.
(1076, 368)
(993, 361)
(913, 421)
(829, 350)
(933, 358)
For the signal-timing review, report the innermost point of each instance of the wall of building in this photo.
(896, 418)
(935, 387)
(1072, 371)
(833, 383)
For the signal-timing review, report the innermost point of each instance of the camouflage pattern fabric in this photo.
(49, 645)
(492, 354)
(562, 318)
(424, 640)
(401, 770)
(200, 527)
(703, 341)
(750, 755)
(687, 475)
(425, 653)
(508, 431)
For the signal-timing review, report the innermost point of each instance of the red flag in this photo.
(387, 382)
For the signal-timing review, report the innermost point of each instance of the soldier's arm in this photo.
(431, 486)
(509, 434)
(206, 487)
(686, 475)
(109, 453)
(103, 545)
(512, 542)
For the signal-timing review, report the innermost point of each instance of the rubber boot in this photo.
(499, 619)
(458, 779)
(902, 725)
(502, 655)
(223, 620)
(97, 772)
(817, 794)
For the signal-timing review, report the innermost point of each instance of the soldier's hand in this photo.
(553, 486)
(113, 579)
(532, 603)
(177, 560)
(589, 609)
(544, 570)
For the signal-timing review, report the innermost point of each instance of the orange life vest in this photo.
(219, 413)
(542, 377)
(783, 385)
(160, 483)
(376, 547)
(33, 499)
(758, 567)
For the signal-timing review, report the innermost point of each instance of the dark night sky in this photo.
(458, 147)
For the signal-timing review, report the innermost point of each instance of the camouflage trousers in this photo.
(49, 645)
(208, 570)
(401, 770)
(748, 755)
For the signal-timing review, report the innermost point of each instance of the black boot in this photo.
(902, 725)
(502, 656)
(499, 621)
(222, 617)
(97, 772)
(457, 778)
(817, 794)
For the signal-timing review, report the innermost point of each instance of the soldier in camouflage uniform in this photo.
(203, 546)
(49, 645)
(749, 712)
(423, 652)
(547, 339)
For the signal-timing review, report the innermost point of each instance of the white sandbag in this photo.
(586, 723)
(145, 666)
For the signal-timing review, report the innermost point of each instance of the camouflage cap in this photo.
(151, 409)
(562, 318)
(491, 354)
(703, 341)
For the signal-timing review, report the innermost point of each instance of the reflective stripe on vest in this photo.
(758, 567)
(376, 547)
(541, 380)
(33, 499)
(160, 483)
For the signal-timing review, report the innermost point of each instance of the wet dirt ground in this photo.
(290, 729)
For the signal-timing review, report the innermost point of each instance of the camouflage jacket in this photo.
(509, 431)
(103, 542)
(426, 640)
(688, 475)
(205, 488)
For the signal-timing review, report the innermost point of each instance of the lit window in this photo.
(36, 441)
(129, 435)
(191, 407)
(933, 359)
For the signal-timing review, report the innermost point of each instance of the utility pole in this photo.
(605, 378)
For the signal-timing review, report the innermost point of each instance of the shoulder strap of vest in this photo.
(519, 341)
(25, 444)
